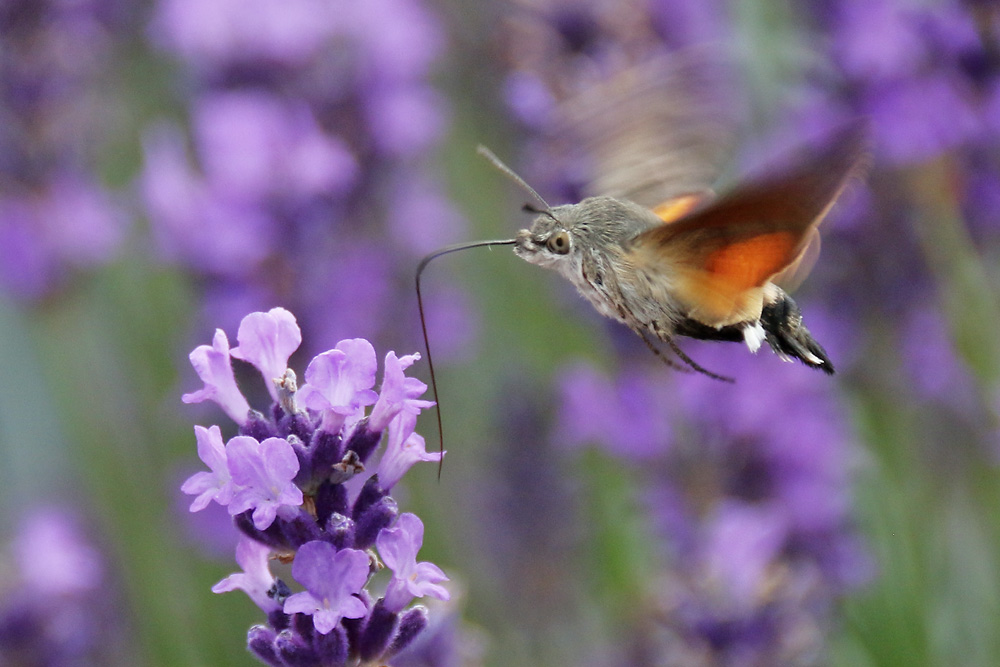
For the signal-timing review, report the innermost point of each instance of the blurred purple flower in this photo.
(56, 603)
(257, 145)
(743, 541)
(930, 360)
(917, 118)
(55, 218)
(68, 224)
(751, 479)
(313, 129)
(877, 39)
(54, 559)
(221, 31)
(214, 231)
(631, 417)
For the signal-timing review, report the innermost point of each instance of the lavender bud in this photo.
(412, 624)
(331, 648)
(377, 632)
(363, 441)
(293, 651)
(330, 499)
(373, 520)
(257, 426)
(260, 642)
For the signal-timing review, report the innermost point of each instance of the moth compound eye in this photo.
(558, 243)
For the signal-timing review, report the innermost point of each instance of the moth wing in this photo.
(719, 258)
(675, 209)
(795, 273)
(653, 132)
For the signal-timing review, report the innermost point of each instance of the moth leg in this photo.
(658, 352)
(665, 336)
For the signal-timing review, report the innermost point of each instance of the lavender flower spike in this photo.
(216, 485)
(398, 547)
(255, 579)
(265, 470)
(267, 340)
(215, 368)
(331, 579)
(285, 480)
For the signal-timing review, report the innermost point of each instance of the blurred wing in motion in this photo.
(719, 257)
(653, 132)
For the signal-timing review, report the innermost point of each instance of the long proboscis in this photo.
(423, 324)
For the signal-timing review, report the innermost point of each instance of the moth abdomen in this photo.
(789, 337)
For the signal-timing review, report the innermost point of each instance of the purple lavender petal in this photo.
(398, 547)
(216, 485)
(403, 449)
(255, 579)
(267, 340)
(265, 470)
(398, 392)
(215, 368)
(341, 380)
(331, 578)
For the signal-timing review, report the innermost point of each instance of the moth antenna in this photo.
(423, 325)
(499, 164)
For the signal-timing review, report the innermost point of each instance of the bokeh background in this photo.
(167, 167)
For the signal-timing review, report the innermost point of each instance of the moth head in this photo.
(549, 240)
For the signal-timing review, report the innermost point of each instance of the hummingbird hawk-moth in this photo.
(654, 248)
